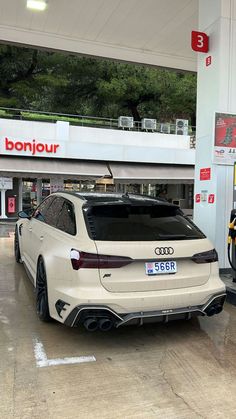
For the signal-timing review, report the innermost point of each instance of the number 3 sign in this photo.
(200, 41)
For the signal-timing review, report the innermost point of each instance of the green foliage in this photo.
(56, 82)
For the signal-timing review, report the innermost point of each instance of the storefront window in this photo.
(45, 189)
(29, 193)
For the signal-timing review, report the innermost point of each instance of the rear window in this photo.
(144, 223)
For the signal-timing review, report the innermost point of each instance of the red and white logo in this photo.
(205, 173)
(33, 146)
(200, 41)
(208, 60)
(11, 205)
(211, 198)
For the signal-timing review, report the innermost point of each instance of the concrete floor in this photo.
(178, 370)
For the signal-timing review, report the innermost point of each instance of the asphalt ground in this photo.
(182, 369)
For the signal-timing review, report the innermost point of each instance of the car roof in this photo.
(104, 198)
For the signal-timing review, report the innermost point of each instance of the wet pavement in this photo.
(7, 229)
(184, 369)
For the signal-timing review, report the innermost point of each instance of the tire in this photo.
(42, 293)
(17, 247)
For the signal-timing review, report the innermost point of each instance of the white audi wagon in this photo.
(107, 260)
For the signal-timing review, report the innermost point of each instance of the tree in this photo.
(149, 92)
(28, 77)
(56, 82)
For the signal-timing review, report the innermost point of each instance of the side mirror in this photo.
(26, 214)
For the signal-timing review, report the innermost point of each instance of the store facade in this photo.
(37, 158)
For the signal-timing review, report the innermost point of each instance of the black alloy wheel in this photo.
(42, 293)
(17, 247)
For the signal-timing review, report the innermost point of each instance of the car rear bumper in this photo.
(81, 313)
(64, 300)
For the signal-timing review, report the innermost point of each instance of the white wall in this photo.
(97, 143)
(216, 93)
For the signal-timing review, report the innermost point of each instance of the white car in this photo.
(105, 260)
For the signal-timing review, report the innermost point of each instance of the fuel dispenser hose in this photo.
(231, 241)
(230, 262)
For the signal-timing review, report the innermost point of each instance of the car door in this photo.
(36, 231)
(56, 249)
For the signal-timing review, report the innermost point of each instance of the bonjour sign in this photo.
(34, 147)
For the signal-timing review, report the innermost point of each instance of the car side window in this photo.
(41, 210)
(53, 211)
(66, 220)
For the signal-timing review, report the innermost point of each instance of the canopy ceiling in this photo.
(155, 32)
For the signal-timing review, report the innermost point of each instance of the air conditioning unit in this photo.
(181, 126)
(125, 122)
(165, 128)
(149, 124)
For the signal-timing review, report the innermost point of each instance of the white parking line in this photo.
(43, 361)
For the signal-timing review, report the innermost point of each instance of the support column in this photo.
(20, 195)
(216, 93)
(3, 203)
(39, 191)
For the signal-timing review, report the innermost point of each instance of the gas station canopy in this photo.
(154, 32)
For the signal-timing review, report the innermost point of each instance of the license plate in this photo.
(156, 268)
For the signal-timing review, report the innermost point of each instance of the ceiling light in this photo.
(37, 4)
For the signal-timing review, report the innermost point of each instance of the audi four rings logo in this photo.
(161, 251)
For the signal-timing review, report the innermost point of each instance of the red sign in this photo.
(225, 130)
(208, 60)
(11, 205)
(198, 198)
(211, 198)
(205, 174)
(200, 41)
(32, 146)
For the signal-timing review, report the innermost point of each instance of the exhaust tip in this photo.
(211, 311)
(218, 308)
(105, 325)
(91, 324)
(214, 309)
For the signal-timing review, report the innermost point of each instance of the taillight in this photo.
(206, 257)
(92, 260)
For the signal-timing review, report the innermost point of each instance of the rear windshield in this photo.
(144, 223)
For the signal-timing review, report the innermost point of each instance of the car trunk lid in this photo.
(150, 233)
(135, 276)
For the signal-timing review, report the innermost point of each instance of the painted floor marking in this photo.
(43, 361)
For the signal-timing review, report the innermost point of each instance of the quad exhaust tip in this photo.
(92, 324)
(105, 324)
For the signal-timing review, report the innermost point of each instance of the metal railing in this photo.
(88, 121)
